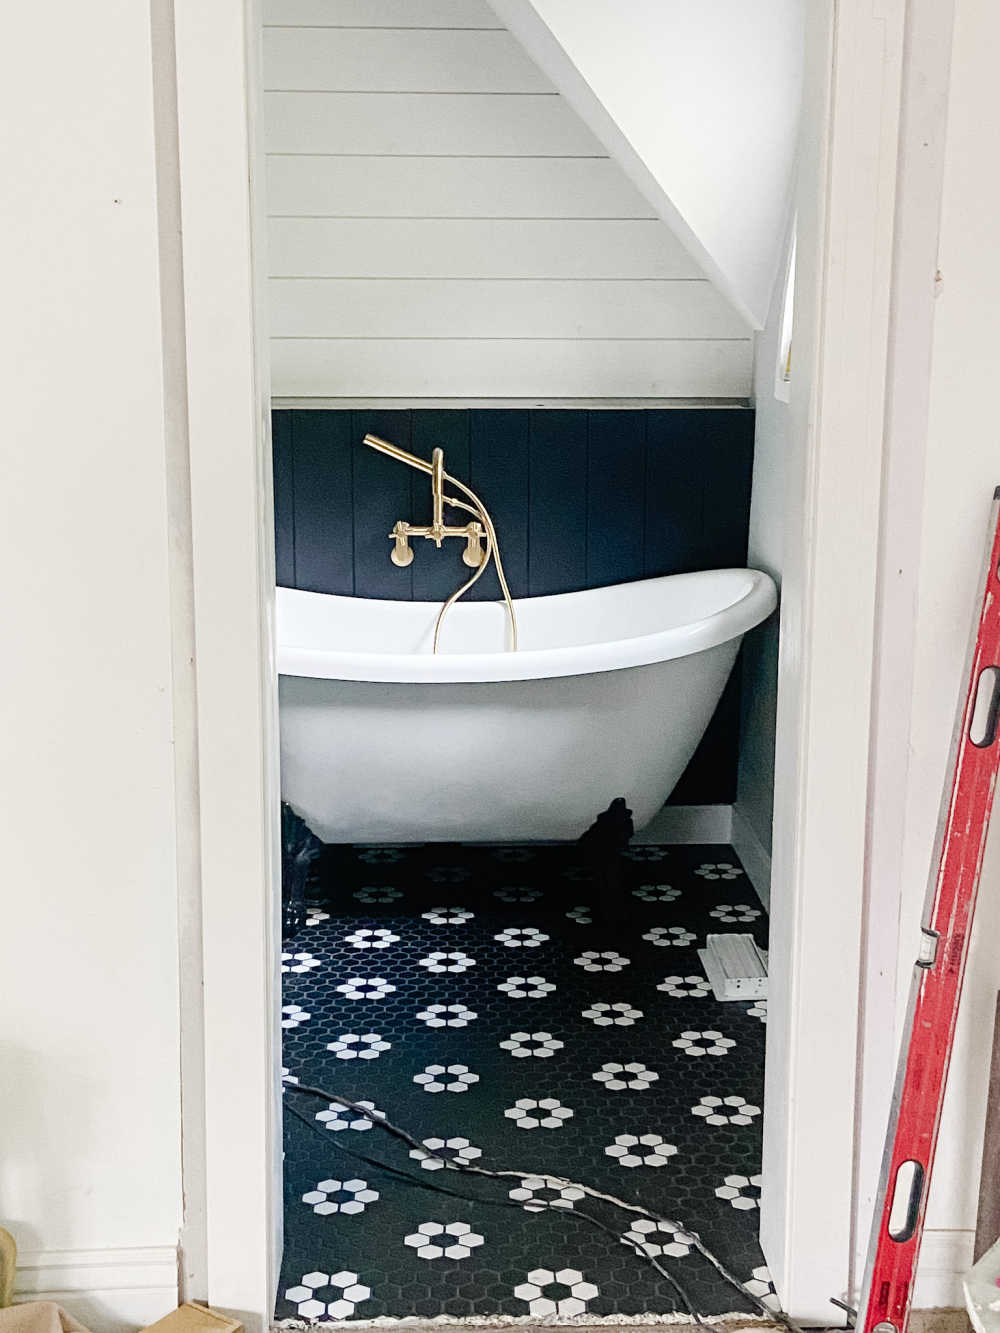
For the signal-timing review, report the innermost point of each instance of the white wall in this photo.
(700, 102)
(769, 500)
(963, 467)
(89, 1108)
(442, 224)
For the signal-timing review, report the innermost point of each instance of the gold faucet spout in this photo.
(394, 451)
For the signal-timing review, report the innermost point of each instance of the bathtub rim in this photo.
(731, 621)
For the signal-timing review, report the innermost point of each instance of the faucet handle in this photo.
(401, 553)
(473, 553)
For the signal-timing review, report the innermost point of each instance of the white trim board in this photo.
(945, 1258)
(109, 1291)
(754, 858)
(678, 824)
(591, 404)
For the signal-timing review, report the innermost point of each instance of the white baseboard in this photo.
(756, 860)
(945, 1258)
(688, 823)
(109, 1291)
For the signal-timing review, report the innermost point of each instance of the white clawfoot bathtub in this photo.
(609, 695)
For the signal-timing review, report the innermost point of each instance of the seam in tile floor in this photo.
(480, 998)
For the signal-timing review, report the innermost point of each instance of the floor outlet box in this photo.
(735, 967)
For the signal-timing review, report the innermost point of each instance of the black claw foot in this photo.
(601, 850)
(299, 849)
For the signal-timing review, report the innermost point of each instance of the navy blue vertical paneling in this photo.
(557, 504)
(436, 574)
(615, 488)
(710, 777)
(674, 491)
(321, 486)
(283, 472)
(499, 474)
(381, 496)
(726, 477)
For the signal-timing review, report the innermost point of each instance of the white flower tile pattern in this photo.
(734, 1110)
(298, 962)
(703, 1043)
(327, 1295)
(761, 1285)
(732, 912)
(340, 1196)
(632, 1077)
(741, 1192)
(473, 988)
(640, 1150)
(448, 916)
(536, 1194)
(366, 988)
(454, 961)
(564, 1293)
(526, 988)
(446, 1078)
(378, 938)
(656, 893)
(606, 960)
(685, 988)
(436, 1154)
(548, 1113)
(342, 1117)
(524, 1045)
(659, 1241)
(719, 870)
(607, 1014)
(447, 1015)
(355, 1046)
(520, 937)
(677, 937)
(444, 1240)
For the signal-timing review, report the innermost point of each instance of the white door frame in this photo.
(829, 625)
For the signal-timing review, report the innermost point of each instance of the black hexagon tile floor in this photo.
(486, 1000)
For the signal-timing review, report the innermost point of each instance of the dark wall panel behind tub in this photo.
(581, 498)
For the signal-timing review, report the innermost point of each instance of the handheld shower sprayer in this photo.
(475, 556)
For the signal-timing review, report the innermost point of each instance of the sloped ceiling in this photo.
(699, 104)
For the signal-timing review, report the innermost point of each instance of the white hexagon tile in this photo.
(489, 1001)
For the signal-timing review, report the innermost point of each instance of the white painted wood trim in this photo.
(926, 78)
(233, 577)
(845, 232)
(754, 858)
(945, 1259)
(678, 824)
(591, 404)
(107, 1290)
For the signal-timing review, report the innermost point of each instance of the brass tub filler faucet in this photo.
(475, 533)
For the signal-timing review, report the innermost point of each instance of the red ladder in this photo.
(915, 1115)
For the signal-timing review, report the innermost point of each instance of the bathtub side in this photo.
(524, 760)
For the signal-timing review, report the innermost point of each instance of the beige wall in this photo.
(89, 1162)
